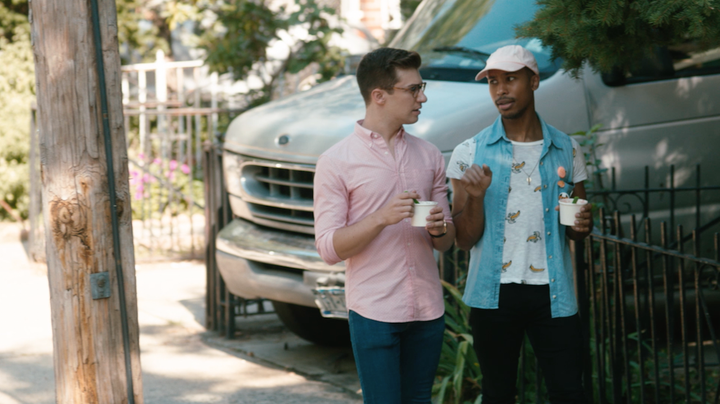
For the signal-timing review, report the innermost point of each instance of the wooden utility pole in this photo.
(92, 281)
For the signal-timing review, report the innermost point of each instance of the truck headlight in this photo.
(233, 176)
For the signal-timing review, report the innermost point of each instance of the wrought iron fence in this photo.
(221, 306)
(649, 302)
(170, 109)
(652, 316)
(694, 206)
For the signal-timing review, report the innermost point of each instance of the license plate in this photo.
(331, 302)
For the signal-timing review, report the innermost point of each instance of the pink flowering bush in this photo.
(150, 187)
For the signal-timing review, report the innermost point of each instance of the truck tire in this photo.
(308, 324)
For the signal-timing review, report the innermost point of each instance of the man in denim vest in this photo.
(506, 184)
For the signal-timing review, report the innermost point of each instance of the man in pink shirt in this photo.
(364, 191)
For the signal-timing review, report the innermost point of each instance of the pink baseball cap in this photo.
(509, 58)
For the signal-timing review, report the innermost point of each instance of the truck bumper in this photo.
(259, 262)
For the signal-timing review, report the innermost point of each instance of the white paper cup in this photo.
(421, 210)
(569, 209)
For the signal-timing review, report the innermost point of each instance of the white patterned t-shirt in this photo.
(524, 257)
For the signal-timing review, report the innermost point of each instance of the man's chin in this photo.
(511, 114)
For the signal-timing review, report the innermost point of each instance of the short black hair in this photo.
(378, 69)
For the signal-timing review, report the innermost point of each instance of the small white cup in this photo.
(569, 209)
(421, 210)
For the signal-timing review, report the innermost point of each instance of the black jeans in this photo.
(557, 342)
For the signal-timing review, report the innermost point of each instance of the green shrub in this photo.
(17, 86)
(458, 374)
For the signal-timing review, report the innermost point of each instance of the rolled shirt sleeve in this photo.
(440, 188)
(330, 205)
(462, 158)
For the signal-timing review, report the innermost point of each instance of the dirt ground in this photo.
(181, 361)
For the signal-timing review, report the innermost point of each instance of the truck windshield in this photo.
(455, 37)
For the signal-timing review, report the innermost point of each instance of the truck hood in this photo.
(314, 120)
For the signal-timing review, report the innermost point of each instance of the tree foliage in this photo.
(235, 34)
(146, 26)
(138, 41)
(237, 42)
(17, 87)
(618, 34)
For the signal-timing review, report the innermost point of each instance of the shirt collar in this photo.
(498, 132)
(368, 136)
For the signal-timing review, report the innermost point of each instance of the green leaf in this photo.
(453, 290)
(443, 388)
(618, 35)
(459, 370)
(468, 337)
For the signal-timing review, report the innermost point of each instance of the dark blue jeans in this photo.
(396, 362)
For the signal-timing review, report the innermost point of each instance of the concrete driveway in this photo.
(181, 361)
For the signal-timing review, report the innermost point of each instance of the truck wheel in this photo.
(308, 324)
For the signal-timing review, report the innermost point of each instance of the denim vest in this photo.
(495, 150)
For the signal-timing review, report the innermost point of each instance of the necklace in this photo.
(517, 167)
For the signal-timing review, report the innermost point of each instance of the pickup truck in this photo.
(667, 111)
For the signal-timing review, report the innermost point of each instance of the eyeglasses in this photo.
(413, 89)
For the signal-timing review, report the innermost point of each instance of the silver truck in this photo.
(666, 112)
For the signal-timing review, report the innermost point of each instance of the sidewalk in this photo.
(181, 361)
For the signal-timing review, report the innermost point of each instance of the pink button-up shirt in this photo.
(395, 278)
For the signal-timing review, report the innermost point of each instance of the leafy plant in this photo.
(17, 86)
(155, 183)
(142, 30)
(618, 34)
(237, 42)
(458, 375)
(589, 142)
(667, 386)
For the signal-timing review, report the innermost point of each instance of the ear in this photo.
(378, 96)
(535, 81)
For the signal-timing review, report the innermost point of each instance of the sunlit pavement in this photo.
(181, 361)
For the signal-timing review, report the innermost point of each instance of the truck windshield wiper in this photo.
(474, 53)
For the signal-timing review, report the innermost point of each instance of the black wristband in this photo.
(444, 232)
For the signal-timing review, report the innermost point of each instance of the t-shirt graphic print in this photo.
(524, 258)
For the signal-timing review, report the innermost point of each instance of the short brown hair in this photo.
(378, 69)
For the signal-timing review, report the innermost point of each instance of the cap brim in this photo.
(504, 66)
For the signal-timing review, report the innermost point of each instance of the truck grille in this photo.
(278, 194)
